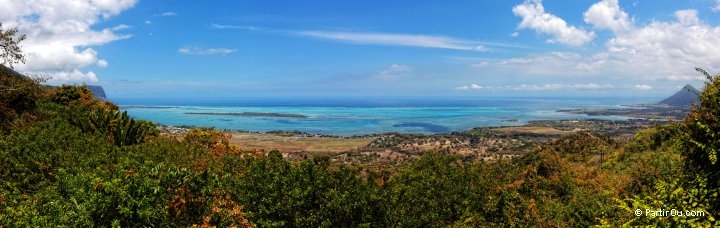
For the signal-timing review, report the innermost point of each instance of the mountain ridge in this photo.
(98, 91)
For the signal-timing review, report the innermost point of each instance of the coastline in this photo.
(561, 125)
(392, 148)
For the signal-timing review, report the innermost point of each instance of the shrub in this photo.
(123, 129)
(702, 129)
(18, 95)
(77, 95)
(217, 141)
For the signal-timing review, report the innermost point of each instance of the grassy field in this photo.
(532, 130)
(316, 145)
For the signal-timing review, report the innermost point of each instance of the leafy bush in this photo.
(123, 129)
(18, 95)
(703, 129)
(77, 96)
(276, 192)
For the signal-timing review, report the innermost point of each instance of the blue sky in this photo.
(139, 48)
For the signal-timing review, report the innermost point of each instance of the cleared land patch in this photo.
(532, 130)
(288, 144)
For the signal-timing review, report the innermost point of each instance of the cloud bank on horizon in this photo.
(303, 48)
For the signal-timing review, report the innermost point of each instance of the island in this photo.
(260, 114)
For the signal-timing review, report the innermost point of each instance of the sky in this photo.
(285, 48)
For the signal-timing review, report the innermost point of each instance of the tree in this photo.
(10, 52)
(18, 94)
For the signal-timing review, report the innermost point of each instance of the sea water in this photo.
(362, 116)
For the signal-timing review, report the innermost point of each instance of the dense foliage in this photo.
(67, 159)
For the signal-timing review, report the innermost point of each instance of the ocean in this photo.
(362, 116)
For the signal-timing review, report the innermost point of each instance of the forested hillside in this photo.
(67, 159)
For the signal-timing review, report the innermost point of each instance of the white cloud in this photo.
(394, 70)
(687, 17)
(659, 50)
(470, 87)
(643, 87)
(60, 34)
(534, 17)
(607, 14)
(148, 22)
(514, 34)
(716, 6)
(208, 51)
(396, 40)
(102, 63)
(119, 27)
(667, 50)
(168, 14)
(73, 76)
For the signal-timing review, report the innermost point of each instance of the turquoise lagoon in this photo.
(362, 116)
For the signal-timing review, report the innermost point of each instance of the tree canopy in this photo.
(10, 52)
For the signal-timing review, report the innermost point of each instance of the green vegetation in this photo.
(67, 159)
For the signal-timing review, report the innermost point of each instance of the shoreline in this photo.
(172, 129)
(635, 116)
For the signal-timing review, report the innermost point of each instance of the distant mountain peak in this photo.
(683, 98)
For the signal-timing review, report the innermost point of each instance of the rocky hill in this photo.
(98, 92)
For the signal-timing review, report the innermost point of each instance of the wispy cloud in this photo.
(168, 14)
(394, 70)
(222, 26)
(643, 87)
(540, 87)
(119, 27)
(377, 38)
(208, 51)
(396, 40)
(470, 87)
(716, 6)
